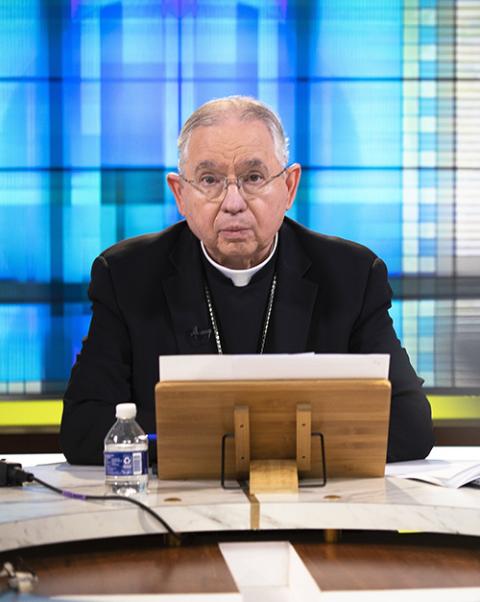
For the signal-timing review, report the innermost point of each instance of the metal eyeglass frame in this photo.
(226, 183)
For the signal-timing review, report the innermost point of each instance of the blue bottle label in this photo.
(125, 464)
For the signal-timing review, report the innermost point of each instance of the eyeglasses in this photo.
(214, 186)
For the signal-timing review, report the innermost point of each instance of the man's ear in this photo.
(292, 181)
(175, 184)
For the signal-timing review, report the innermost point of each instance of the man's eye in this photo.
(254, 178)
(209, 180)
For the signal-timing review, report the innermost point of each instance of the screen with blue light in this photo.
(379, 99)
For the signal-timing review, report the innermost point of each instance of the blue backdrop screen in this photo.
(377, 96)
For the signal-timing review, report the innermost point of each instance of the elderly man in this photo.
(236, 276)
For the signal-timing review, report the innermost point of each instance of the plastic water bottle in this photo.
(126, 453)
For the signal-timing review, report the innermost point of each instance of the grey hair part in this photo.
(246, 108)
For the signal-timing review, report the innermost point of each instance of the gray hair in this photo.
(246, 108)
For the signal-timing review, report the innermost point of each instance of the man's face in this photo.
(237, 232)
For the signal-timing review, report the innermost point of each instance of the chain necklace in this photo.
(266, 322)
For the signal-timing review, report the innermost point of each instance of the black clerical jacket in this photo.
(147, 297)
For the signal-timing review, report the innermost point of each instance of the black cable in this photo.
(21, 476)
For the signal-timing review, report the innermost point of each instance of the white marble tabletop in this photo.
(32, 515)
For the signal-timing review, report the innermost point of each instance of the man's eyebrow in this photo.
(243, 165)
(208, 165)
(251, 163)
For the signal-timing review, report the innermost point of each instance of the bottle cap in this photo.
(125, 411)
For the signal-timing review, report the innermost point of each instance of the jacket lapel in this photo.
(185, 297)
(295, 299)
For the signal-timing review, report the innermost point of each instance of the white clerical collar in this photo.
(240, 277)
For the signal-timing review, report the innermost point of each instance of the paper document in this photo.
(445, 473)
(273, 366)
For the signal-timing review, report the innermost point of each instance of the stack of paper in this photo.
(273, 366)
(452, 474)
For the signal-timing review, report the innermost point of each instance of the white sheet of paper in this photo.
(272, 366)
(446, 473)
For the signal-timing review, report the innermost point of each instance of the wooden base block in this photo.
(273, 476)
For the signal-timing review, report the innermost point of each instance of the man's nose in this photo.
(233, 201)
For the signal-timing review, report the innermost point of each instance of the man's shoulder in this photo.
(335, 248)
(138, 248)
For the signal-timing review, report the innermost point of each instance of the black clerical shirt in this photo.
(240, 310)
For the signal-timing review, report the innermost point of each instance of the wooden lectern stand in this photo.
(269, 428)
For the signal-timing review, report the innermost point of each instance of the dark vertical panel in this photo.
(55, 15)
(303, 16)
(247, 48)
(111, 67)
(179, 12)
(56, 18)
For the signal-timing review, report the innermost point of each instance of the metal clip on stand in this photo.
(272, 475)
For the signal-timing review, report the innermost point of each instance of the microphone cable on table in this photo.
(13, 474)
